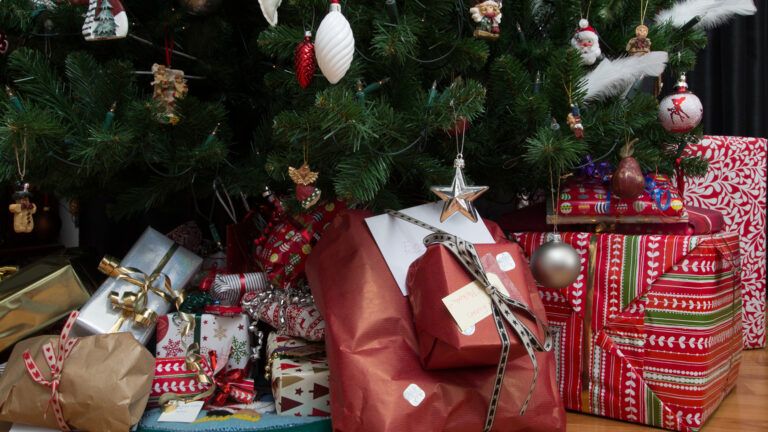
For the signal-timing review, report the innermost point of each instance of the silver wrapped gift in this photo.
(141, 287)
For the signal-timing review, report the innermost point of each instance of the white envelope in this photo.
(401, 242)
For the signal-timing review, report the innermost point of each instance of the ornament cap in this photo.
(459, 162)
(682, 84)
(307, 34)
(335, 6)
(554, 237)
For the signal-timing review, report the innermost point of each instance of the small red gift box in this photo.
(437, 274)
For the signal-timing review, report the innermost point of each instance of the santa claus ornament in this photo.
(487, 16)
(334, 44)
(587, 42)
(681, 111)
(105, 19)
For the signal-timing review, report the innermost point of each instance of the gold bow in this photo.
(194, 363)
(133, 305)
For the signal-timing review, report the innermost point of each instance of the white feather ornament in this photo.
(613, 77)
(712, 13)
(334, 44)
(269, 10)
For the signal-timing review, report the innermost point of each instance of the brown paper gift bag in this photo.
(103, 386)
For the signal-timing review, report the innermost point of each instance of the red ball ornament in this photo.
(681, 111)
(304, 60)
(460, 127)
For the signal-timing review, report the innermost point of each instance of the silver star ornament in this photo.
(458, 197)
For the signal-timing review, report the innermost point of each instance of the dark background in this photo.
(731, 75)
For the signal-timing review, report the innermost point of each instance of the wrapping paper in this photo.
(173, 376)
(36, 297)
(227, 336)
(438, 274)
(153, 252)
(378, 383)
(291, 315)
(650, 332)
(228, 289)
(735, 185)
(299, 376)
(589, 201)
(105, 384)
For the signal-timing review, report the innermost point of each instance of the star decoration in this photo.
(458, 197)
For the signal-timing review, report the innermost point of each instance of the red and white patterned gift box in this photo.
(735, 185)
(173, 376)
(650, 331)
(227, 336)
(299, 374)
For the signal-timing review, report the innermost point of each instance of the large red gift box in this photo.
(735, 185)
(650, 331)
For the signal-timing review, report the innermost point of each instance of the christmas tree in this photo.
(105, 23)
(426, 80)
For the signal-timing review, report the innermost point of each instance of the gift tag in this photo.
(505, 261)
(182, 412)
(471, 304)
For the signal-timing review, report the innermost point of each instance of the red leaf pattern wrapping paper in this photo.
(735, 185)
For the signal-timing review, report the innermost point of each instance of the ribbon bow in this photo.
(502, 307)
(657, 186)
(134, 304)
(55, 359)
(232, 384)
(601, 171)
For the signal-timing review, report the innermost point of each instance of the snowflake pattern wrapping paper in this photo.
(650, 331)
(228, 336)
(735, 185)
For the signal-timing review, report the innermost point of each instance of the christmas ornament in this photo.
(269, 10)
(23, 210)
(306, 193)
(640, 44)
(628, 180)
(487, 15)
(574, 122)
(460, 126)
(614, 77)
(704, 14)
(168, 86)
(458, 196)
(200, 7)
(304, 60)
(681, 111)
(555, 264)
(105, 19)
(587, 42)
(4, 44)
(334, 44)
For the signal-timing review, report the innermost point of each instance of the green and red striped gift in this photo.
(650, 332)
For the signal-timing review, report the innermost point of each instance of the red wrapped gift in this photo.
(377, 380)
(650, 331)
(229, 289)
(292, 313)
(589, 201)
(437, 275)
(533, 218)
(735, 184)
(177, 375)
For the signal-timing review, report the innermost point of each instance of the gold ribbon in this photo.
(194, 363)
(7, 271)
(133, 305)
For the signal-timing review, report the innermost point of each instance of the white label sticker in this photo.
(506, 262)
(471, 304)
(469, 332)
(182, 412)
(414, 395)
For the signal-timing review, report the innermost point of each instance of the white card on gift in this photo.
(401, 242)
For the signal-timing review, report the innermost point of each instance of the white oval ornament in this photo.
(334, 45)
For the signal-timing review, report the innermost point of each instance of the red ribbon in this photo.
(207, 283)
(680, 175)
(232, 384)
(55, 359)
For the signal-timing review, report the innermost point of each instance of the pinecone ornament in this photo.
(304, 61)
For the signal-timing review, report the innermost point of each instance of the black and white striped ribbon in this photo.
(228, 289)
(502, 309)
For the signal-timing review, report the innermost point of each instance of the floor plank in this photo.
(744, 410)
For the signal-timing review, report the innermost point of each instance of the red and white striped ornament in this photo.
(304, 61)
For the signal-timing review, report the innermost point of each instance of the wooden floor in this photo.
(744, 410)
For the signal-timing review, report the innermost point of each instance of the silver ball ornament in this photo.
(681, 111)
(555, 264)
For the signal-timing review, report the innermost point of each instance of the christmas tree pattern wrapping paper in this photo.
(299, 374)
(589, 200)
(650, 331)
(228, 336)
(735, 185)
